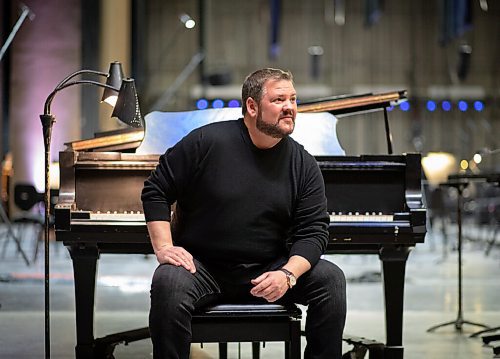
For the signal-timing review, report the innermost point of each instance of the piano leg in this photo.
(393, 267)
(84, 271)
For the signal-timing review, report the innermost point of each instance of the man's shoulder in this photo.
(302, 158)
(217, 126)
(300, 149)
(214, 131)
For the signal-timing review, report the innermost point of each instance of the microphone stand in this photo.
(25, 13)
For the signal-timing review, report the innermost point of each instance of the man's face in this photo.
(277, 109)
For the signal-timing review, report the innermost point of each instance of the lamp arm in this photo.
(81, 72)
(63, 85)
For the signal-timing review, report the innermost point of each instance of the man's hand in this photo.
(166, 252)
(177, 256)
(270, 285)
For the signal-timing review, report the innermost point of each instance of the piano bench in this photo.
(254, 323)
(225, 323)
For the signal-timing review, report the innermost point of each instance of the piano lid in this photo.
(315, 131)
(118, 140)
(164, 129)
(352, 104)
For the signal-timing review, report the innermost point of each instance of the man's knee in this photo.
(329, 274)
(169, 279)
(327, 285)
(325, 277)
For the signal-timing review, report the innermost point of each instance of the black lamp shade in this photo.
(115, 77)
(127, 106)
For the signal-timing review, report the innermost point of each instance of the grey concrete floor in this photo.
(122, 300)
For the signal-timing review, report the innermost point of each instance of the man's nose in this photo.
(288, 105)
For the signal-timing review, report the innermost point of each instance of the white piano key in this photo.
(127, 217)
(357, 217)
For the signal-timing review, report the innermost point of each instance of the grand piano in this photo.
(374, 201)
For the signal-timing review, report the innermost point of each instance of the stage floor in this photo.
(122, 301)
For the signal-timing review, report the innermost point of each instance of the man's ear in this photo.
(252, 107)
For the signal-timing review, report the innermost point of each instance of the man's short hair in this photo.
(254, 84)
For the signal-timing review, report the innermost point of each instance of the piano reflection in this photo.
(375, 201)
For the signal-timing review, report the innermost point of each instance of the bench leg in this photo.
(292, 348)
(222, 350)
(255, 350)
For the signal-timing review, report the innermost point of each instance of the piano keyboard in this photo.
(360, 217)
(116, 216)
(139, 216)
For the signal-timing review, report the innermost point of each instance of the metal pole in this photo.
(459, 322)
(47, 124)
(388, 134)
(25, 12)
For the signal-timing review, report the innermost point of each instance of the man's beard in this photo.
(272, 130)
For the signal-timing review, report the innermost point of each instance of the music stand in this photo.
(460, 184)
(495, 179)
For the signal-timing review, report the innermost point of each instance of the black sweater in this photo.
(238, 205)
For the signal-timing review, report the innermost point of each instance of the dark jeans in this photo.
(176, 293)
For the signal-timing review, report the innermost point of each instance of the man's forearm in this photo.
(297, 265)
(165, 251)
(160, 234)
